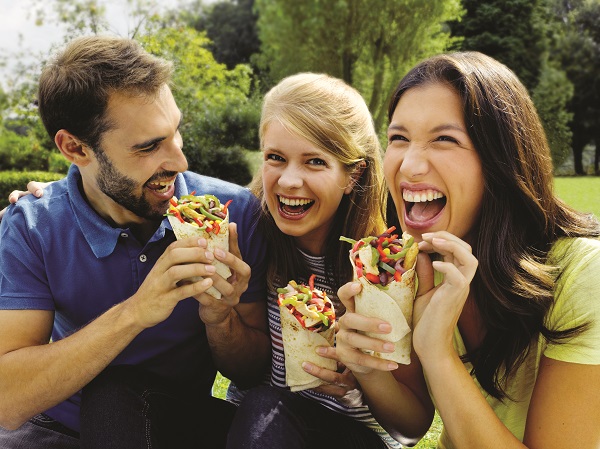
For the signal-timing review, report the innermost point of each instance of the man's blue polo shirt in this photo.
(56, 253)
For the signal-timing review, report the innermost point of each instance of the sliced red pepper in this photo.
(176, 213)
(173, 202)
(193, 192)
(373, 278)
(311, 282)
(397, 276)
(225, 206)
(217, 228)
(382, 256)
(357, 245)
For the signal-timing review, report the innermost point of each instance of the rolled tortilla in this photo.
(392, 303)
(214, 240)
(299, 345)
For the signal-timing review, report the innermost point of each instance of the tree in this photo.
(520, 34)
(578, 49)
(507, 31)
(231, 27)
(367, 43)
(218, 116)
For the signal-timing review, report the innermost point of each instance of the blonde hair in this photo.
(334, 117)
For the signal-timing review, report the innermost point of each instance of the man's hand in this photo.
(162, 289)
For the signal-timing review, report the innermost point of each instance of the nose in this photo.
(290, 178)
(415, 163)
(175, 160)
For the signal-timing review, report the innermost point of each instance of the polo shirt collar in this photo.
(102, 237)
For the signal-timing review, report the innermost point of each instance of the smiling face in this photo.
(303, 186)
(131, 177)
(431, 166)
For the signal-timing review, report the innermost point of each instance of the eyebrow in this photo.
(444, 127)
(148, 143)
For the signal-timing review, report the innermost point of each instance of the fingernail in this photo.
(209, 255)
(220, 253)
(211, 269)
(38, 192)
(426, 235)
(385, 327)
(356, 287)
(207, 282)
(307, 366)
(388, 347)
(321, 350)
(202, 242)
(392, 366)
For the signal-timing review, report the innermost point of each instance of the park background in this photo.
(228, 53)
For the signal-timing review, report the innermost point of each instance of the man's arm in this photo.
(35, 375)
(237, 332)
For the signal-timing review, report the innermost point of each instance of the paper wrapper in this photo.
(220, 240)
(299, 346)
(394, 305)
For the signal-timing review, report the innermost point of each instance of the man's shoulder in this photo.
(50, 207)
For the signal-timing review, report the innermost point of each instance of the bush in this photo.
(19, 152)
(13, 180)
(229, 164)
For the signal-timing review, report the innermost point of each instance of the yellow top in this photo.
(576, 300)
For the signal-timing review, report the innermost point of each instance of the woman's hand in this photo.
(437, 309)
(339, 383)
(351, 344)
(33, 187)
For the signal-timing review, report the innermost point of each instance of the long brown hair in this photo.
(334, 117)
(520, 215)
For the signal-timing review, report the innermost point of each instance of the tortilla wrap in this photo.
(393, 305)
(390, 299)
(213, 241)
(299, 345)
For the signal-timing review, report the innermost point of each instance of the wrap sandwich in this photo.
(202, 216)
(307, 321)
(385, 266)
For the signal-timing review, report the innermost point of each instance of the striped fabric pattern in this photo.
(277, 378)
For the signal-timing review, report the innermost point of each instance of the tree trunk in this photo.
(378, 64)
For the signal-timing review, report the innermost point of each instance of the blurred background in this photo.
(230, 52)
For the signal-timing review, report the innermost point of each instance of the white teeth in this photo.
(421, 196)
(294, 202)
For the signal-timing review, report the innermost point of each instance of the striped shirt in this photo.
(357, 410)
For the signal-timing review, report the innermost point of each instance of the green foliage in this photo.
(551, 96)
(576, 46)
(11, 180)
(231, 27)
(216, 109)
(368, 43)
(508, 31)
(22, 152)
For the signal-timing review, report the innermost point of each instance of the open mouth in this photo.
(423, 205)
(294, 206)
(160, 187)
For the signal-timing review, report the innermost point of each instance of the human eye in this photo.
(273, 157)
(446, 139)
(149, 149)
(396, 137)
(316, 161)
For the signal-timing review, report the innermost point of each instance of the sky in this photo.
(19, 32)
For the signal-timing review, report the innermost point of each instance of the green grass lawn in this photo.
(581, 192)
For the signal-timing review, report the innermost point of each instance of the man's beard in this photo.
(121, 189)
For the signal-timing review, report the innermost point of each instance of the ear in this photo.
(72, 148)
(355, 176)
